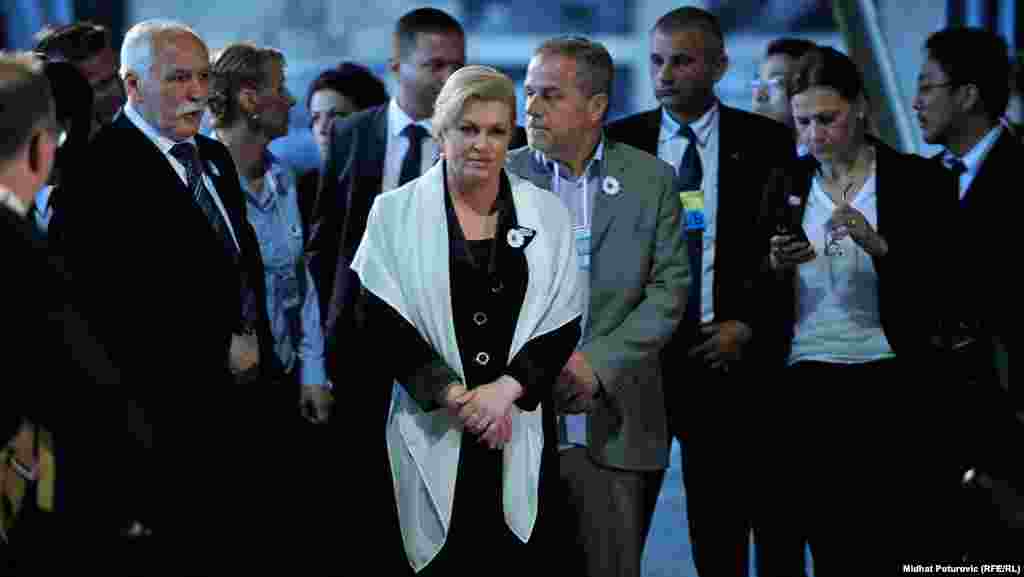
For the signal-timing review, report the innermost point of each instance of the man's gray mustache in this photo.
(190, 108)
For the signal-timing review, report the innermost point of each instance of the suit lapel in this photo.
(989, 177)
(652, 129)
(230, 195)
(607, 205)
(376, 152)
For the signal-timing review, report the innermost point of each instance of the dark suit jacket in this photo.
(65, 382)
(164, 294)
(984, 223)
(751, 147)
(352, 177)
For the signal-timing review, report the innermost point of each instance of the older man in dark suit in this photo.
(164, 252)
(722, 157)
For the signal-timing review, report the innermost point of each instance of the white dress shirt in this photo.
(11, 201)
(671, 147)
(974, 158)
(398, 146)
(165, 144)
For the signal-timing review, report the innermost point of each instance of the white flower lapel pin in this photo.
(610, 185)
(519, 236)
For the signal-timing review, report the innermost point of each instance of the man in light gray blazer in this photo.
(615, 442)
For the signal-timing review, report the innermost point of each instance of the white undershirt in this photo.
(838, 319)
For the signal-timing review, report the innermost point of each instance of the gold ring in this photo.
(851, 222)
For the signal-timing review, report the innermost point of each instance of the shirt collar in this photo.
(701, 127)
(974, 157)
(161, 141)
(398, 119)
(550, 164)
(11, 201)
(273, 170)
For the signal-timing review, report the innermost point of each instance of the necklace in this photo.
(852, 180)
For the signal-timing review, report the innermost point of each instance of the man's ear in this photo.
(969, 97)
(721, 66)
(247, 101)
(133, 86)
(41, 150)
(597, 106)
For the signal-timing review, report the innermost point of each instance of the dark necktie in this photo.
(690, 177)
(413, 161)
(187, 154)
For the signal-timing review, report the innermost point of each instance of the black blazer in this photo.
(986, 218)
(751, 147)
(65, 383)
(351, 180)
(984, 224)
(164, 295)
(913, 194)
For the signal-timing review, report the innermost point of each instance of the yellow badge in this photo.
(693, 207)
(693, 200)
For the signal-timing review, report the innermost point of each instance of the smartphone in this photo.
(795, 231)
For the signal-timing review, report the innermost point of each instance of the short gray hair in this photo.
(594, 69)
(139, 48)
(481, 83)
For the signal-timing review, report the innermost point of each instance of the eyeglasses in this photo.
(924, 89)
(772, 84)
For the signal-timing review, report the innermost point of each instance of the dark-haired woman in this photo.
(855, 285)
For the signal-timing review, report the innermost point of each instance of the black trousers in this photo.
(851, 460)
(709, 413)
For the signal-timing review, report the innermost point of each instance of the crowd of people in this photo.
(462, 345)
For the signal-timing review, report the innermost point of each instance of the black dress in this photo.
(488, 285)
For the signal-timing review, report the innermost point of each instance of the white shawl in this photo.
(403, 259)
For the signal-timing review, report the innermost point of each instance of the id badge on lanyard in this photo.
(693, 206)
(582, 246)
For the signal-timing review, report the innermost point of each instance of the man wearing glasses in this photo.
(962, 94)
(769, 96)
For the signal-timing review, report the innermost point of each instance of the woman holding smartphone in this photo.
(853, 257)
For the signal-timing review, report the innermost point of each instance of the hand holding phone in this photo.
(790, 249)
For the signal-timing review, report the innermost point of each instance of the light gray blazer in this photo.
(639, 280)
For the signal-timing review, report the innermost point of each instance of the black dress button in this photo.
(482, 358)
(480, 319)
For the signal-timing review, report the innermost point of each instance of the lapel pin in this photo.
(793, 200)
(610, 185)
(518, 236)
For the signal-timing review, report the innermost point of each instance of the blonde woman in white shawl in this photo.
(471, 293)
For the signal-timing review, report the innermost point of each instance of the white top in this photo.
(671, 147)
(398, 145)
(973, 159)
(838, 319)
(165, 144)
